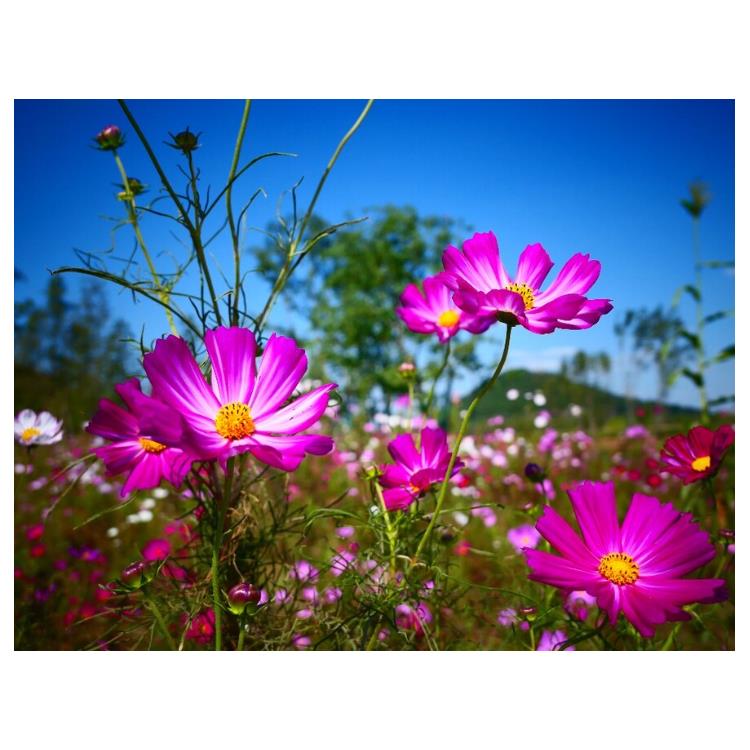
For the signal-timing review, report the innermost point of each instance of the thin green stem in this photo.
(152, 605)
(230, 216)
(286, 268)
(133, 218)
(241, 639)
(221, 511)
(439, 374)
(390, 531)
(701, 364)
(194, 231)
(461, 433)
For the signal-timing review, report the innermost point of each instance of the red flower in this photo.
(698, 454)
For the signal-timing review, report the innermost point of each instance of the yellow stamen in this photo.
(619, 568)
(29, 433)
(525, 291)
(701, 463)
(234, 421)
(448, 318)
(151, 446)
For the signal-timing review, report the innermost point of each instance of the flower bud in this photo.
(372, 472)
(109, 138)
(527, 612)
(137, 574)
(184, 141)
(407, 370)
(242, 595)
(136, 188)
(534, 472)
(726, 533)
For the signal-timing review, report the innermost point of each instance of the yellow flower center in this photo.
(151, 446)
(234, 421)
(701, 463)
(449, 318)
(525, 291)
(619, 568)
(29, 433)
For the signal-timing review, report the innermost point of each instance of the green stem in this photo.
(151, 604)
(431, 395)
(193, 230)
(241, 639)
(218, 534)
(285, 271)
(461, 433)
(701, 364)
(373, 638)
(391, 532)
(230, 216)
(133, 218)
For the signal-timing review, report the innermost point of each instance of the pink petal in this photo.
(232, 353)
(533, 266)
(561, 536)
(281, 368)
(595, 508)
(299, 415)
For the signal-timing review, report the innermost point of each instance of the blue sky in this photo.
(602, 177)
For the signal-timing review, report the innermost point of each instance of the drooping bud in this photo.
(184, 141)
(109, 138)
(241, 596)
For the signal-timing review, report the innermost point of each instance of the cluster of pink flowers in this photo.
(474, 291)
(187, 419)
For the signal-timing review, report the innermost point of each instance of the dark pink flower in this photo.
(156, 549)
(636, 568)
(698, 454)
(435, 312)
(413, 618)
(524, 536)
(241, 411)
(550, 641)
(484, 289)
(132, 446)
(201, 628)
(415, 471)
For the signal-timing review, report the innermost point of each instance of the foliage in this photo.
(68, 354)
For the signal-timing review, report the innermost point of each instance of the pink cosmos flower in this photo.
(413, 618)
(241, 411)
(636, 568)
(435, 312)
(156, 549)
(549, 641)
(31, 428)
(415, 472)
(202, 627)
(523, 536)
(484, 289)
(698, 454)
(132, 445)
(577, 603)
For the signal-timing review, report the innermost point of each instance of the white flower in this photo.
(512, 394)
(145, 515)
(539, 399)
(37, 429)
(113, 532)
(160, 493)
(576, 410)
(148, 503)
(460, 518)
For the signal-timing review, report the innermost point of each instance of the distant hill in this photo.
(599, 405)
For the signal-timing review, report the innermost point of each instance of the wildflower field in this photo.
(380, 476)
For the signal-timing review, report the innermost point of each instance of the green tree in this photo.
(68, 355)
(351, 288)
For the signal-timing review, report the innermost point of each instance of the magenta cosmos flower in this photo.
(483, 287)
(132, 446)
(698, 454)
(435, 312)
(635, 568)
(241, 411)
(415, 471)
